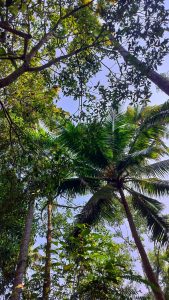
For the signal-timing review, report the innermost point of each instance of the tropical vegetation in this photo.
(116, 160)
(81, 193)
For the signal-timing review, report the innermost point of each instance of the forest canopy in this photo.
(82, 195)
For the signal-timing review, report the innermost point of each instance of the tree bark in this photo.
(157, 79)
(47, 278)
(22, 260)
(158, 294)
(13, 76)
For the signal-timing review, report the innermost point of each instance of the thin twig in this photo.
(11, 123)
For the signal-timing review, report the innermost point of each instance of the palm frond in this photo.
(151, 186)
(119, 134)
(87, 142)
(152, 125)
(85, 169)
(135, 158)
(159, 116)
(81, 186)
(151, 209)
(99, 206)
(160, 168)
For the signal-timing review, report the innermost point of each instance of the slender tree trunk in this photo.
(158, 294)
(157, 79)
(157, 264)
(22, 260)
(47, 279)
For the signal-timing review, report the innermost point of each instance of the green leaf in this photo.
(151, 210)
(2, 51)
(68, 267)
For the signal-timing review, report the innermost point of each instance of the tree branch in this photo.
(25, 67)
(9, 57)
(58, 59)
(130, 59)
(66, 206)
(13, 76)
(12, 125)
(47, 36)
(5, 25)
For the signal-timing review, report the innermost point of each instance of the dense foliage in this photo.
(69, 42)
(55, 243)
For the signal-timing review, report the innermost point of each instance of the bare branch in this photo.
(66, 206)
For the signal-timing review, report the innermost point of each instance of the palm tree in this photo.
(118, 159)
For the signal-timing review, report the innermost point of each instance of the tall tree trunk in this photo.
(22, 260)
(158, 294)
(157, 79)
(47, 279)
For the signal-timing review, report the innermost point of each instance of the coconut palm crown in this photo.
(126, 153)
(124, 156)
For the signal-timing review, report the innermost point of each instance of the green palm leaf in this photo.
(87, 142)
(151, 209)
(159, 116)
(119, 135)
(85, 169)
(75, 186)
(152, 121)
(152, 186)
(135, 158)
(99, 206)
(160, 168)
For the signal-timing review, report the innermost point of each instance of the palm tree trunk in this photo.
(22, 260)
(47, 279)
(157, 79)
(158, 294)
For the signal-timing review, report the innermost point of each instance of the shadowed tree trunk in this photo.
(158, 294)
(22, 260)
(47, 279)
(157, 79)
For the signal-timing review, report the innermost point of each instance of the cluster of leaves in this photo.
(140, 26)
(32, 163)
(159, 258)
(72, 41)
(95, 268)
(12, 213)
